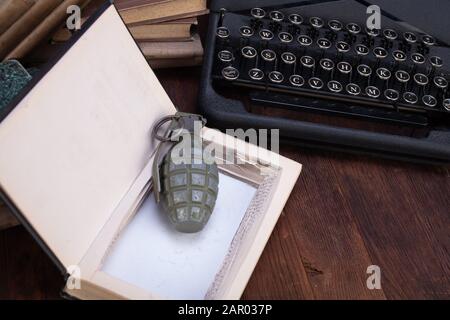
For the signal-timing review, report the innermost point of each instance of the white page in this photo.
(152, 255)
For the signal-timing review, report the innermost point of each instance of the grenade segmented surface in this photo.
(189, 193)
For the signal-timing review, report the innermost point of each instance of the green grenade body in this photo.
(189, 192)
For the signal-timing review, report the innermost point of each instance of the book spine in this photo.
(11, 10)
(43, 30)
(25, 25)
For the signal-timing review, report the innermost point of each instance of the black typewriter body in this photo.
(319, 58)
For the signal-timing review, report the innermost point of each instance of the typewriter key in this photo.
(373, 92)
(418, 58)
(383, 73)
(316, 22)
(285, 37)
(361, 50)
(440, 82)
(410, 37)
(276, 16)
(399, 55)
(256, 74)
(304, 40)
(334, 86)
(436, 61)
(296, 80)
(410, 97)
(223, 32)
(428, 40)
(373, 32)
(288, 58)
(390, 34)
(402, 76)
(364, 72)
(249, 52)
(230, 73)
(324, 43)
(391, 94)
(296, 19)
(225, 56)
(353, 28)
(276, 77)
(353, 89)
(342, 46)
(266, 34)
(268, 55)
(421, 79)
(429, 101)
(315, 83)
(344, 71)
(446, 104)
(326, 69)
(258, 13)
(335, 25)
(380, 53)
(246, 31)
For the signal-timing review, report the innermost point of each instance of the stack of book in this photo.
(165, 29)
(24, 24)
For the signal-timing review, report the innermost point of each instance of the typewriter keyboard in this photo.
(393, 75)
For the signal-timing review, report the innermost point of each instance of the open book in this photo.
(75, 167)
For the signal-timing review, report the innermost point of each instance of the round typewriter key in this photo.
(446, 104)
(334, 86)
(276, 76)
(364, 70)
(373, 32)
(276, 16)
(436, 61)
(353, 28)
(399, 55)
(326, 64)
(225, 56)
(428, 40)
(421, 79)
(344, 67)
(296, 19)
(288, 58)
(383, 73)
(391, 94)
(316, 22)
(249, 52)
(268, 55)
(373, 92)
(266, 34)
(296, 80)
(304, 40)
(256, 74)
(390, 34)
(307, 61)
(353, 89)
(429, 100)
(315, 83)
(285, 37)
(410, 37)
(223, 32)
(230, 73)
(342, 46)
(402, 76)
(410, 97)
(362, 50)
(418, 58)
(258, 13)
(335, 25)
(324, 43)
(440, 82)
(246, 31)
(380, 52)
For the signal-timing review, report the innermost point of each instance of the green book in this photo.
(13, 78)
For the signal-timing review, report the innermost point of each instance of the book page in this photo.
(152, 255)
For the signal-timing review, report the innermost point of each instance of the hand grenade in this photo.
(186, 188)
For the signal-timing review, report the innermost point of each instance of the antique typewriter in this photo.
(315, 71)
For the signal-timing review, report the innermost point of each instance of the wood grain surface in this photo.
(346, 212)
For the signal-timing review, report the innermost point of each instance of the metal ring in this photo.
(159, 124)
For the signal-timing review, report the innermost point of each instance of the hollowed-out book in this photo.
(75, 168)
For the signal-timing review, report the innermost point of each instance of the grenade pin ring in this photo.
(168, 136)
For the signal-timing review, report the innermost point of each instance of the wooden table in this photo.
(346, 213)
